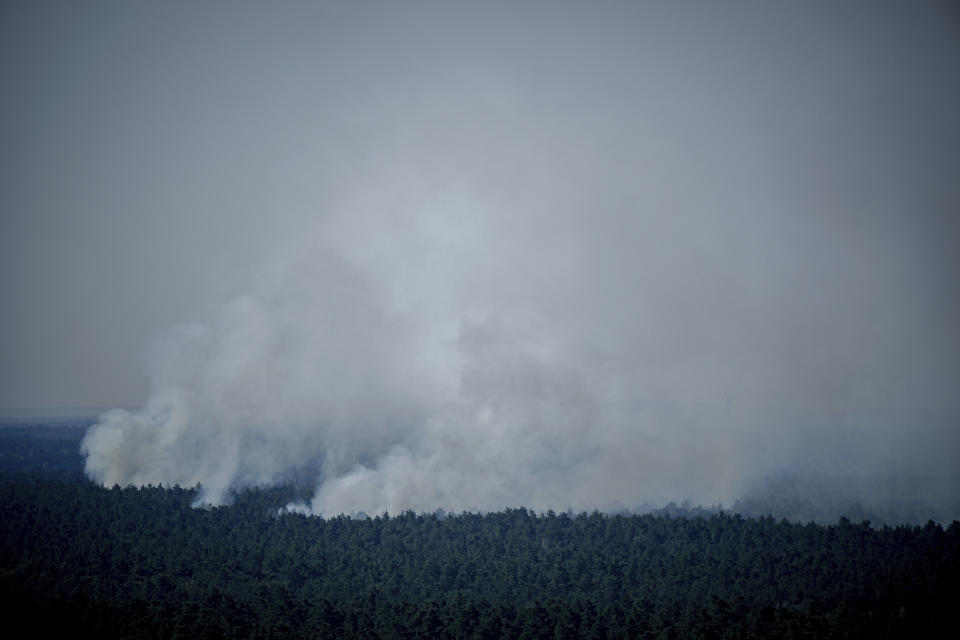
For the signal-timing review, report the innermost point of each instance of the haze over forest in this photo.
(590, 255)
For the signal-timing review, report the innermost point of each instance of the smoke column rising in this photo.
(322, 363)
(617, 257)
(441, 378)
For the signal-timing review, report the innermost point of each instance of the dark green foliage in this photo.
(82, 560)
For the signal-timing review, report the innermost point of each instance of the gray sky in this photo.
(705, 201)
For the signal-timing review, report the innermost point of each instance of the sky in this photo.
(358, 228)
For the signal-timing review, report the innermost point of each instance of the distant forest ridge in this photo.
(52, 414)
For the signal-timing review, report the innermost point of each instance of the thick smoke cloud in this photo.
(669, 267)
(324, 365)
(476, 359)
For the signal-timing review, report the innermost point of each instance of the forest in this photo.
(82, 560)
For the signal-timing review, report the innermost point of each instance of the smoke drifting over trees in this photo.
(476, 356)
(478, 258)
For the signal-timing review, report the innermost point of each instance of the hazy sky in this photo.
(769, 185)
(770, 189)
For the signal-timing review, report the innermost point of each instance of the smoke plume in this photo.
(591, 259)
(482, 364)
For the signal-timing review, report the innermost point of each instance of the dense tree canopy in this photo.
(141, 563)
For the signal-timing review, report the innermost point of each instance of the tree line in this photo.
(141, 563)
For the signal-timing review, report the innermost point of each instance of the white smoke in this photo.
(591, 265)
(434, 384)
(442, 381)
(307, 367)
